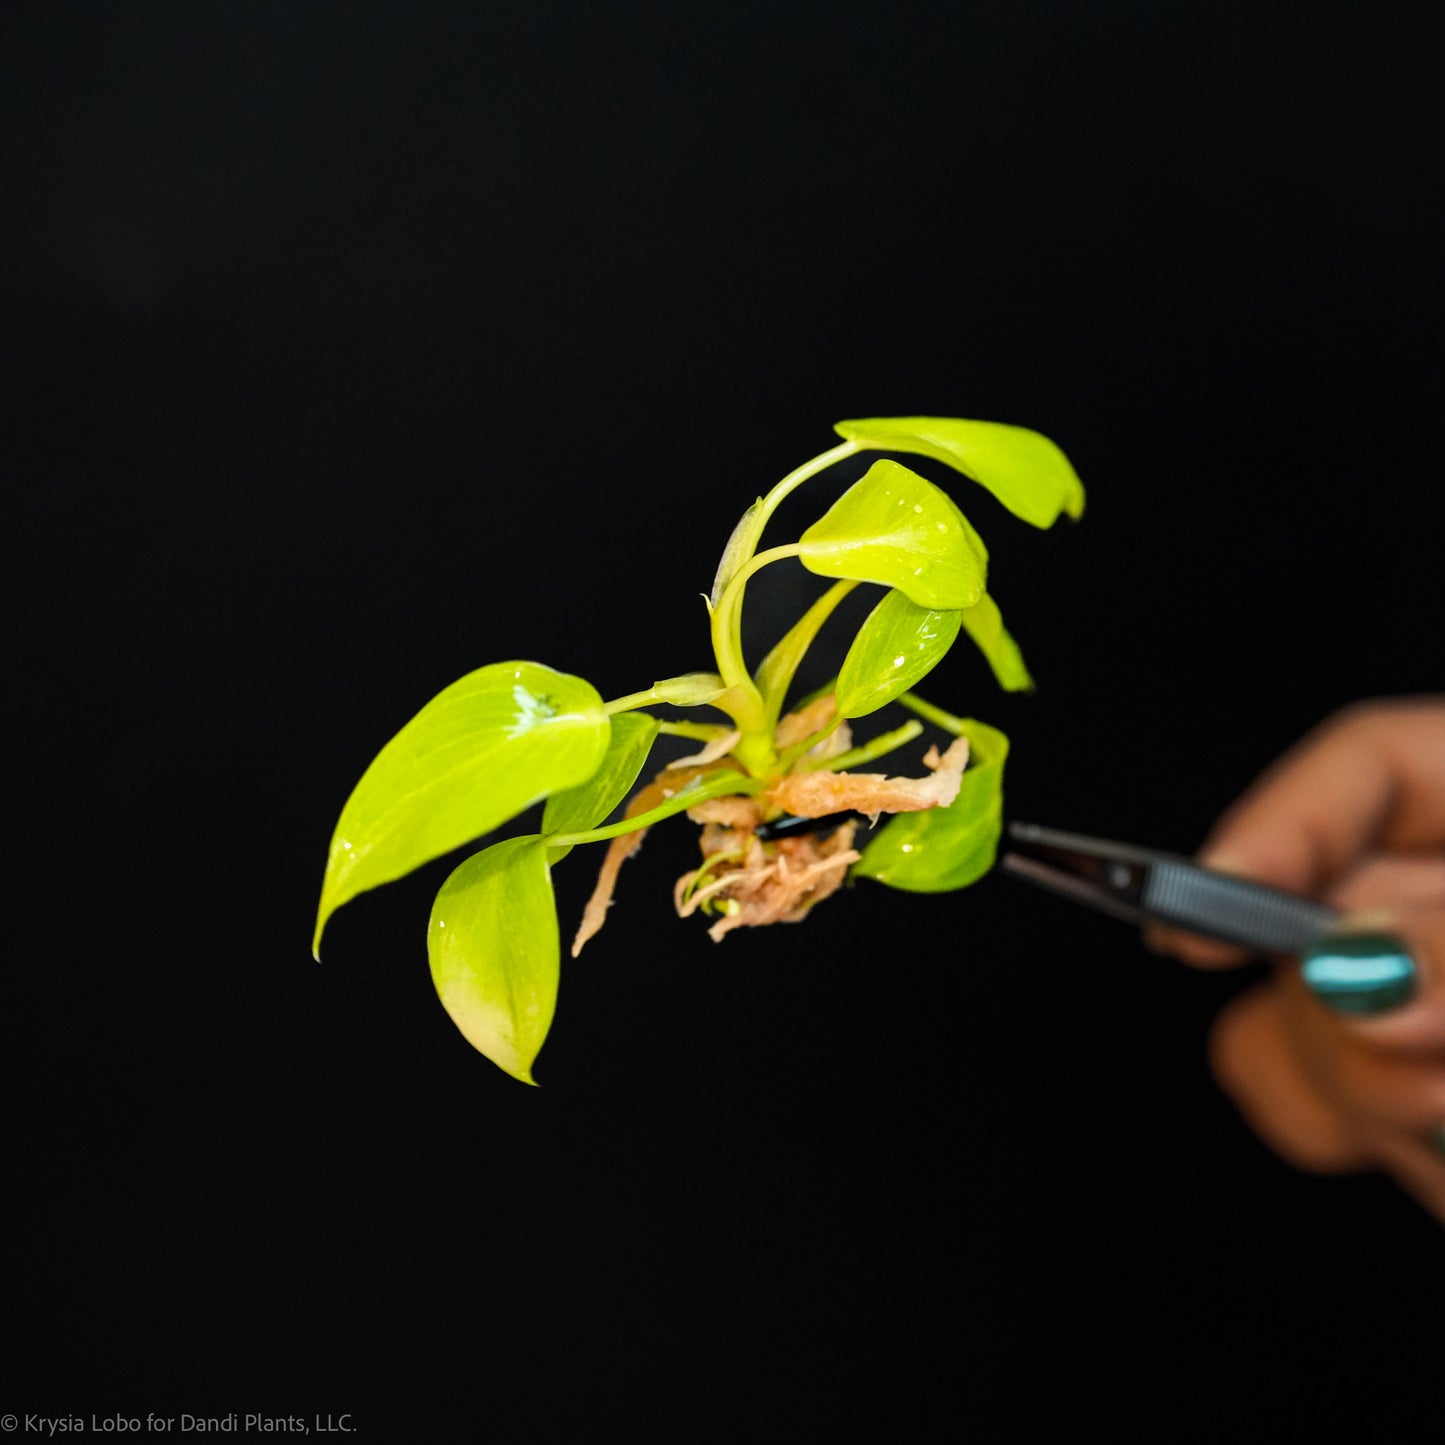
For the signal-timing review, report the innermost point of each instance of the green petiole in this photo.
(876, 748)
(714, 785)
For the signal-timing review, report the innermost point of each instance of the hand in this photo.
(1338, 1060)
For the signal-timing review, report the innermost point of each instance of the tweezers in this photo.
(1144, 885)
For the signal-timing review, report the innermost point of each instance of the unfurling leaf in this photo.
(946, 848)
(895, 528)
(899, 644)
(496, 954)
(1023, 469)
(574, 810)
(480, 752)
(739, 546)
(984, 624)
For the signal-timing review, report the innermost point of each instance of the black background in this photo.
(349, 348)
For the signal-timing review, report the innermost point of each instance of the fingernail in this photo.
(1359, 973)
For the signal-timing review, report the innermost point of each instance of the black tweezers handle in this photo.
(1232, 909)
(789, 826)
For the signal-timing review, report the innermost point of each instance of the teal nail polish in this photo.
(1359, 973)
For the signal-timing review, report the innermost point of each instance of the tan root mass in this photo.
(816, 794)
(747, 882)
(760, 883)
(818, 715)
(619, 850)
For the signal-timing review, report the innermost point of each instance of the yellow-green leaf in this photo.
(574, 810)
(495, 952)
(984, 623)
(898, 644)
(945, 848)
(894, 527)
(480, 752)
(1026, 471)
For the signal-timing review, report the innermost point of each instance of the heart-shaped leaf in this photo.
(574, 810)
(495, 951)
(893, 527)
(480, 752)
(1023, 469)
(899, 643)
(945, 848)
(984, 623)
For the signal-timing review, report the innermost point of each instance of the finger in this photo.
(1338, 1062)
(1323, 1092)
(1419, 1168)
(1391, 881)
(1191, 948)
(1258, 1062)
(1370, 780)
(1385, 1076)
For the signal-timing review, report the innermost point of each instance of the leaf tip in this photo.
(512, 1064)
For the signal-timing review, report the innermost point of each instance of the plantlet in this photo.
(514, 734)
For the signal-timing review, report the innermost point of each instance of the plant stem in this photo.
(875, 747)
(727, 616)
(776, 671)
(630, 702)
(730, 855)
(936, 715)
(751, 529)
(714, 785)
(755, 749)
(794, 480)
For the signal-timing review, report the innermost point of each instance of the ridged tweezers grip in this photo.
(1233, 909)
